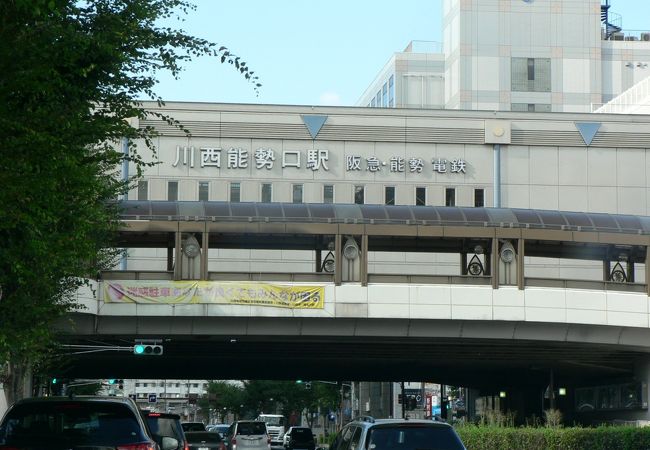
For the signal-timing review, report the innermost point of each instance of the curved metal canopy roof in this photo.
(383, 214)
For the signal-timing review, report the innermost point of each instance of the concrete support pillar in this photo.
(520, 264)
(364, 260)
(177, 256)
(495, 263)
(338, 246)
(205, 245)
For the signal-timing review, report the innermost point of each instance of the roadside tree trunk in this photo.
(14, 381)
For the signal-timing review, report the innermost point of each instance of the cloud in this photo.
(330, 99)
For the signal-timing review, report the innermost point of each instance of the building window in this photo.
(420, 196)
(479, 198)
(172, 191)
(373, 102)
(204, 191)
(328, 193)
(531, 107)
(267, 192)
(378, 99)
(359, 195)
(235, 192)
(391, 91)
(143, 190)
(450, 197)
(384, 95)
(531, 74)
(297, 193)
(389, 195)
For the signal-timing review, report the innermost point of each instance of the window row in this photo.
(266, 193)
(171, 385)
(385, 97)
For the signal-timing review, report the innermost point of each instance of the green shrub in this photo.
(528, 438)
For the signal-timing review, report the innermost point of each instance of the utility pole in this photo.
(401, 383)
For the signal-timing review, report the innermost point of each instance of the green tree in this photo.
(224, 397)
(72, 72)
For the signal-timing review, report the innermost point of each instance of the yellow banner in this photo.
(221, 292)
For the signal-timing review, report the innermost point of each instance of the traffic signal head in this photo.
(54, 381)
(111, 381)
(147, 349)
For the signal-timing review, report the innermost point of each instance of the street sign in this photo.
(152, 398)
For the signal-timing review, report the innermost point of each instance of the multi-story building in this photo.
(519, 55)
(177, 396)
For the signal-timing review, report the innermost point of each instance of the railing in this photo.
(323, 277)
(628, 35)
(629, 101)
(423, 47)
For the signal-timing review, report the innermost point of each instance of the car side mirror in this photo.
(169, 443)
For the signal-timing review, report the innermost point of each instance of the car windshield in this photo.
(301, 434)
(193, 426)
(413, 437)
(68, 424)
(165, 426)
(196, 437)
(274, 421)
(248, 428)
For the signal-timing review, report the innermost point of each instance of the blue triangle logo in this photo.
(314, 124)
(588, 130)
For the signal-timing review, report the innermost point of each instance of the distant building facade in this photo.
(519, 55)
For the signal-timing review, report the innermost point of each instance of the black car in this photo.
(300, 438)
(165, 426)
(204, 440)
(62, 423)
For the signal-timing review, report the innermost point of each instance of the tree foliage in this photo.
(288, 398)
(72, 72)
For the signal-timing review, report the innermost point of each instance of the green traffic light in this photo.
(54, 380)
(138, 349)
(111, 381)
(299, 381)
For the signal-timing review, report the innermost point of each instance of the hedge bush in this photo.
(528, 438)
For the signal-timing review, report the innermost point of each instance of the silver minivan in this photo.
(248, 435)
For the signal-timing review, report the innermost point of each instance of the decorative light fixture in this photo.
(562, 391)
(191, 247)
(502, 394)
(350, 249)
(507, 253)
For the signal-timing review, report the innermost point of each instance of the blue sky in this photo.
(310, 52)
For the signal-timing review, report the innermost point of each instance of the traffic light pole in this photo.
(401, 384)
(80, 349)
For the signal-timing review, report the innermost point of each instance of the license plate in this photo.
(203, 448)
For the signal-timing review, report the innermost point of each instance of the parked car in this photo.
(166, 425)
(58, 423)
(204, 440)
(299, 438)
(390, 434)
(193, 426)
(248, 435)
